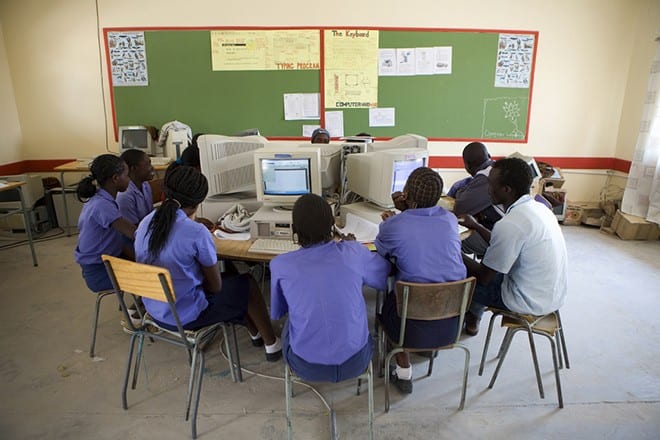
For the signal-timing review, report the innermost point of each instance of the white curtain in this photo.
(642, 194)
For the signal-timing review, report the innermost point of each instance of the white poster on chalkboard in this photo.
(514, 60)
(128, 59)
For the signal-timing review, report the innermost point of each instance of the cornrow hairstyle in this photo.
(184, 187)
(133, 157)
(424, 186)
(312, 220)
(102, 168)
(515, 173)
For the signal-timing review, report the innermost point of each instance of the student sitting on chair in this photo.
(170, 238)
(424, 241)
(320, 136)
(137, 201)
(326, 337)
(101, 225)
(524, 268)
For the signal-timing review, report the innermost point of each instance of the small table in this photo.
(77, 166)
(10, 186)
(238, 250)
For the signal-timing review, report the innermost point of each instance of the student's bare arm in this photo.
(212, 281)
(125, 227)
(484, 274)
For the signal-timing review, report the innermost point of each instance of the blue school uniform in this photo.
(320, 287)
(135, 203)
(189, 248)
(96, 237)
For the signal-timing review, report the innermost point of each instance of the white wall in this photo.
(589, 63)
(10, 139)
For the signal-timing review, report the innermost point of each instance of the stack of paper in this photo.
(363, 230)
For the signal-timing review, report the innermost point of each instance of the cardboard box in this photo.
(573, 215)
(587, 213)
(631, 227)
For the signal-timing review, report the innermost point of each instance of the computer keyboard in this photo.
(273, 246)
(156, 161)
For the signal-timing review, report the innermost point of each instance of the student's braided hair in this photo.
(184, 187)
(312, 220)
(102, 168)
(424, 187)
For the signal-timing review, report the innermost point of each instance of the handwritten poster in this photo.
(128, 59)
(351, 68)
(266, 50)
(514, 60)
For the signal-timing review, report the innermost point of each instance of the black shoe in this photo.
(259, 342)
(472, 324)
(274, 357)
(404, 386)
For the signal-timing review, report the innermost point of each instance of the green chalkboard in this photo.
(463, 105)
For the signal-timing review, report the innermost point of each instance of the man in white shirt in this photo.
(524, 268)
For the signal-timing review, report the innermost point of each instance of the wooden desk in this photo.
(16, 186)
(80, 167)
(238, 250)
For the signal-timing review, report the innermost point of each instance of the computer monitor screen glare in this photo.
(286, 176)
(136, 138)
(402, 169)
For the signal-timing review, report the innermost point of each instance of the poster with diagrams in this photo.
(351, 68)
(265, 50)
(514, 60)
(128, 59)
(415, 61)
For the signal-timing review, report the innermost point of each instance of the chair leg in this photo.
(197, 393)
(430, 370)
(532, 347)
(129, 361)
(370, 392)
(508, 336)
(555, 363)
(191, 381)
(381, 352)
(466, 368)
(288, 388)
(388, 359)
(138, 358)
(95, 319)
(563, 341)
(239, 371)
(488, 335)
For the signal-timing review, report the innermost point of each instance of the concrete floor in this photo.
(52, 389)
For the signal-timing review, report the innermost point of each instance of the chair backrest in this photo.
(433, 301)
(143, 280)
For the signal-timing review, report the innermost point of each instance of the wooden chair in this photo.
(428, 302)
(549, 326)
(290, 377)
(156, 283)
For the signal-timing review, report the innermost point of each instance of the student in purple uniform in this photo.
(424, 241)
(170, 238)
(326, 337)
(101, 226)
(137, 201)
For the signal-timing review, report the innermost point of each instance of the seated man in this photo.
(425, 243)
(472, 195)
(524, 268)
(326, 337)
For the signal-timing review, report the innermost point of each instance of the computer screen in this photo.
(228, 162)
(285, 172)
(376, 175)
(533, 166)
(136, 136)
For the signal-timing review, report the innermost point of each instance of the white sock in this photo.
(403, 373)
(254, 337)
(275, 346)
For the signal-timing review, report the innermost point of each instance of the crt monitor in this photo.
(285, 173)
(376, 175)
(399, 142)
(536, 173)
(136, 136)
(228, 162)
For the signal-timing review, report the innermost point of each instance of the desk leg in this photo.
(66, 209)
(28, 225)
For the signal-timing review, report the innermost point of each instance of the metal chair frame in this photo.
(531, 324)
(156, 283)
(95, 317)
(403, 291)
(290, 377)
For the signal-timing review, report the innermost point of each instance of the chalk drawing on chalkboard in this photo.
(504, 118)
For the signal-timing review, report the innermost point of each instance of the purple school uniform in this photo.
(135, 203)
(425, 243)
(320, 287)
(188, 248)
(96, 236)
